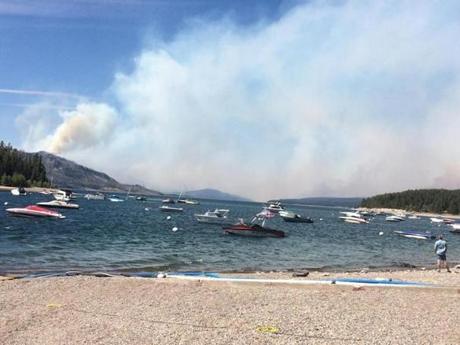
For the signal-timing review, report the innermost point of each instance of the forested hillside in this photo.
(422, 200)
(21, 169)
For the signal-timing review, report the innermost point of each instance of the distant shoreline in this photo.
(399, 211)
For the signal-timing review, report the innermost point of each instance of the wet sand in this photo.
(118, 310)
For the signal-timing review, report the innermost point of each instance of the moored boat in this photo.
(34, 211)
(218, 216)
(455, 228)
(420, 235)
(436, 220)
(63, 195)
(252, 230)
(166, 208)
(20, 191)
(168, 201)
(115, 198)
(98, 196)
(274, 206)
(394, 218)
(289, 216)
(58, 204)
(353, 218)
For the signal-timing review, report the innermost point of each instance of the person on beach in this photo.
(440, 248)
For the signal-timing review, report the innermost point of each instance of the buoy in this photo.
(5, 203)
(380, 233)
(321, 219)
(175, 229)
(147, 209)
(168, 217)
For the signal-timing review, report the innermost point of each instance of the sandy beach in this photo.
(119, 310)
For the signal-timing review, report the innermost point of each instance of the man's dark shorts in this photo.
(442, 257)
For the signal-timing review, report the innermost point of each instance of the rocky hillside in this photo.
(214, 194)
(67, 174)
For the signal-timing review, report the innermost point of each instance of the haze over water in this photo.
(125, 236)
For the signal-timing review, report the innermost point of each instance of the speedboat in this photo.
(95, 196)
(166, 208)
(289, 216)
(437, 220)
(353, 218)
(448, 221)
(168, 201)
(455, 227)
(253, 229)
(394, 218)
(218, 216)
(114, 198)
(63, 195)
(58, 204)
(416, 234)
(20, 191)
(141, 198)
(34, 211)
(274, 206)
(187, 201)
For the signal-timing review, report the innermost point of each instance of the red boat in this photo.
(34, 211)
(253, 230)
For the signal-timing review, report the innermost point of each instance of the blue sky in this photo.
(261, 98)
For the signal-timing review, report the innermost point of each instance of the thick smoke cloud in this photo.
(350, 99)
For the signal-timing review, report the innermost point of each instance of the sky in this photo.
(264, 99)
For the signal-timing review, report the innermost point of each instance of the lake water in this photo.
(136, 236)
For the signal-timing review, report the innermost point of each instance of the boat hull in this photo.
(35, 211)
(297, 220)
(253, 231)
(171, 209)
(58, 205)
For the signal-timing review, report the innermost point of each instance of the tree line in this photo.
(421, 200)
(21, 169)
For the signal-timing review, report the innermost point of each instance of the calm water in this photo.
(102, 235)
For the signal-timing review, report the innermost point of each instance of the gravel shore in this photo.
(90, 310)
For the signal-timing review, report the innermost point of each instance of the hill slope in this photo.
(215, 195)
(67, 174)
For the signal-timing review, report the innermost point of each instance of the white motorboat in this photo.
(34, 211)
(218, 216)
(274, 206)
(455, 227)
(98, 196)
(187, 201)
(168, 201)
(436, 220)
(353, 218)
(63, 195)
(166, 208)
(419, 235)
(115, 198)
(58, 204)
(394, 218)
(292, 217)
(20, 191)
(413, 216)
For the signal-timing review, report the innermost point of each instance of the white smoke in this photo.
(350, 99)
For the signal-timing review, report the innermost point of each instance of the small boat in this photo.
(416, 234)
(436, 220)
(114, 198)
(166, 208)
(58, 204)
(413, 216)
(187, 201)
(98, 196)
(34, 211)
(448, 221)
(141, 198)
(253, 229)
(218, 216)
(168, 201)
(353, 218)
(455, 227)
(20, 191)
(63, 195)
(394, 218)
(289, 216)
(274, 206)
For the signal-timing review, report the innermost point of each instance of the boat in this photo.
(166, 208)
(63, 195)
(416, 234)
(218, 216)
(455, 227)
(448, 221)
(274, 206)
(353, 218)
(141, 198)
(168, 201)
(34, 211)
(98, 196)
(20, 191)
(436, 220)
(115, 198)
(394, 218)
(58, 204)
(289, 216)
(186, 201)
(413, 216)
(253, 229)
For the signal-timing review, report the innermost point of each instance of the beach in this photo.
(120, 310)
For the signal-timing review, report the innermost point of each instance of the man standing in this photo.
(440, 248)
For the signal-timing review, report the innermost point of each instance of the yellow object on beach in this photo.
(268, 329)
(54, 305)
